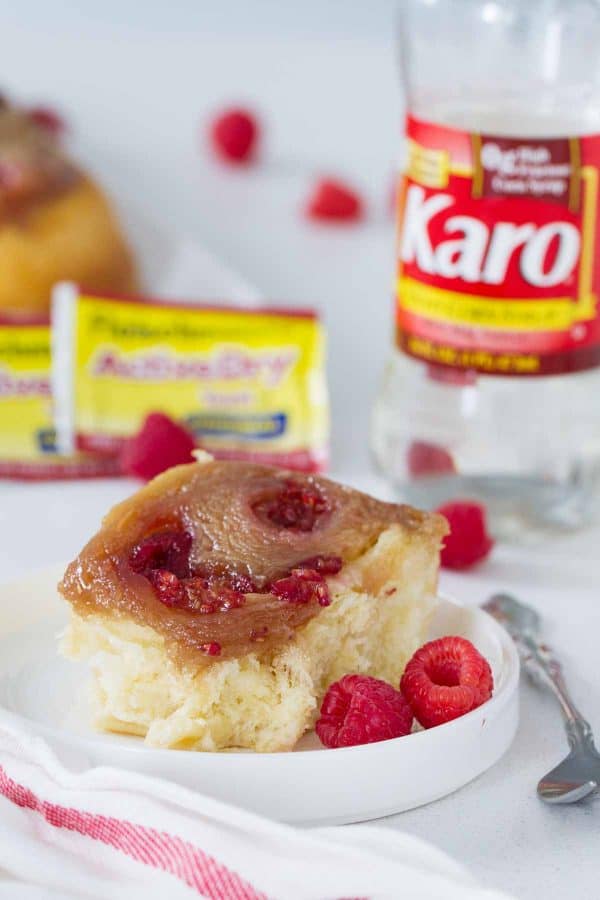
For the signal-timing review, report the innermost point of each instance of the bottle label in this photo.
(498, 249)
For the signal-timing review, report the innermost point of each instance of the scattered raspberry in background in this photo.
(359, 709)
(48, 119)
(445, 679)
(234, 134)
(334, 201)
(423, 458)
(468, 542)
(160, 444)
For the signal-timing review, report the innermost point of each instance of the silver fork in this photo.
(578, 775)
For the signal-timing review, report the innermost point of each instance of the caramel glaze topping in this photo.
(208, 554)
(33, 166)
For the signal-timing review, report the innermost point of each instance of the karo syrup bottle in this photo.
(493, 389)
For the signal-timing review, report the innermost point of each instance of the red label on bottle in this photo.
(497, 252)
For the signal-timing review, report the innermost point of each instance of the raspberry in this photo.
(169, 549)
(428, 459)
(168, 587)
(305, 583)
(468, 542)
(164, 559)
(193, 594)
(234, 134)
(302, 586)
(295, 506)
(199, 597)
(333, 201)
(213, 648)
(359, 709)
(48, 119)
(445, 679)
(219, 576)
(160, 444)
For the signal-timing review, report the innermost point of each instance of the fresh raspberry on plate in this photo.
(333, 201)
(445, 679)
(424, 458)
(160, 444)
(468, 542)
(359, 709)
(234, 134)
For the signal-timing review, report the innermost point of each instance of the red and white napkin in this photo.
(110, 833)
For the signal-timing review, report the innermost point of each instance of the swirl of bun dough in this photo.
(240, 519)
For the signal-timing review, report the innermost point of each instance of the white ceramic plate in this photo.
(42, 692)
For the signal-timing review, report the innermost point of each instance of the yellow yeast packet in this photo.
(27, 437)
(248, 383)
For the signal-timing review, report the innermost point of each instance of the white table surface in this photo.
(325, 83)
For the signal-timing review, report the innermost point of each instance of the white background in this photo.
(138, 82)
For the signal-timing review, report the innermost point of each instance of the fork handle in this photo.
(543, 667)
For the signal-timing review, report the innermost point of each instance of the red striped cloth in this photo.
(115, 834)
(182, 859)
